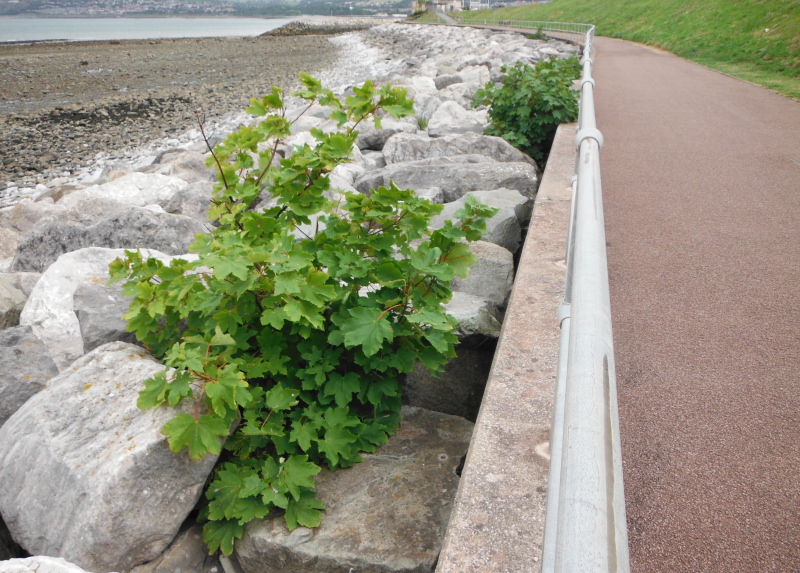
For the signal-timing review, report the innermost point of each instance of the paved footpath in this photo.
(701, 183)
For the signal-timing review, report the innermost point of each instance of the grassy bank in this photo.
(756, 40)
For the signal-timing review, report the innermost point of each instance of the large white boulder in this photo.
(137, 189)
(412, 147)
(50, 310)
(39, 564)
(450, 118)
(87, 475)
(455, 175)
(387, 514)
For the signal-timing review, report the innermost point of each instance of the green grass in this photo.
(756, 40)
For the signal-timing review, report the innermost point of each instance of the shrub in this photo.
(296, 342)
(531, 102)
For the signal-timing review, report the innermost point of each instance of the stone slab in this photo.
(498, 517)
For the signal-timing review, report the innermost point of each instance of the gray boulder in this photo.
(475, 315)
(136, 188)
(450, 118)
(39, 564)
(26, 368)
(492, 276)
(463, 94)
(50, 309)
(505, 227)
(133, 227)
(455, 176)
(187, 554)
(99, 309)
(194, 201)
(459, 389)
(408, 147)
(187, 165)
(107, 493)
(371, 138)
(386, 514)
(445, 80)
(12, 301)
(23, 281)
(8, 242)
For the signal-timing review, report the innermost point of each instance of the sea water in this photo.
(14, 29)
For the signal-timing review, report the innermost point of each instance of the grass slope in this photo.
(756, 40)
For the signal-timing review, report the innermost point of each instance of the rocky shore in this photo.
(64, 105)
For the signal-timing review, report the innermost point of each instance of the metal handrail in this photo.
(585, 525)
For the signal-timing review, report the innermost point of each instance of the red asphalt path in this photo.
(701, 184)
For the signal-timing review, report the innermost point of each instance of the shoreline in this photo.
(64, 104)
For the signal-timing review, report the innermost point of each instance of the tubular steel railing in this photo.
(585, 527)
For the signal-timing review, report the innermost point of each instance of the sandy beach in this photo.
(63, 103)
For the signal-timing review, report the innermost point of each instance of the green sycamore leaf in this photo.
(305, 511)
(230, 391)
(336, 443)
(221, 339)
(381, 388)
(200, 436)
(226, 266)
(304, 434)
(368, 329)
(220, 535)
(179, 388)
(342, 388)
(280, 398)
(296, 474)
(272, 497)
(462, 259)
(225, 491)
(154, 393)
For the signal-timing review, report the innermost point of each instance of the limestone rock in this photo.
(99, 309)
(445, 80)
(137, 189)
(25, 368)
(386, 514)
(8, 242)
(23, 281)
(107, 493)
(134, 227)
(455, 176)
(12, 301)
(475, 315)
(39, 564)
(50, 308)
(186, 554)
(371, 138)
(492, 276)
(504, 228)
(187, 165)
(409, 147)
(463, 94)
(459, 389)
(450, 118)
(426, 106)
(194, 201)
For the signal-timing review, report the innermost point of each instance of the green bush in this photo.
(531, 102)
(297, 343)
